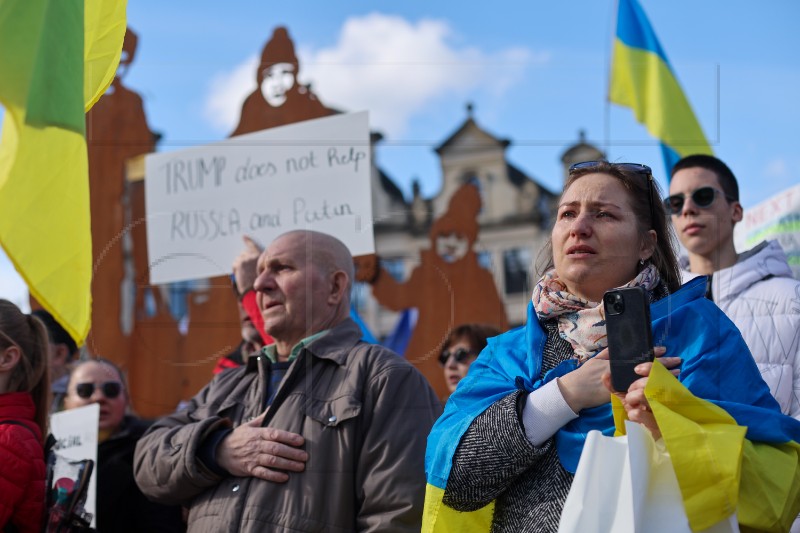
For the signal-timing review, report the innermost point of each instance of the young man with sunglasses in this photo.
(755, 289)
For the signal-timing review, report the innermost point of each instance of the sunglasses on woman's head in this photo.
(459, 355)
(702, 197)
(111, 389)
(635, 168)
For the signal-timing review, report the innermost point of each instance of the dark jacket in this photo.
(121, 506)
(365, 414)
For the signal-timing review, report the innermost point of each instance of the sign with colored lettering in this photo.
(775, 218)
(75, 433)
(310, 175)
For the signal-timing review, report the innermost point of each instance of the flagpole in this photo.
(607, 111)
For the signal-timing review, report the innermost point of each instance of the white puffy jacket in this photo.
(762, 298)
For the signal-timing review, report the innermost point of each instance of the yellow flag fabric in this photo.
(57, 57)
(719, 471)
(439, 518)
(769, 492)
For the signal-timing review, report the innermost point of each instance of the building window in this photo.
(546, 215)
(472, 177)
(394, 267)
(516, 270)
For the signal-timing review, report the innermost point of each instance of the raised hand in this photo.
(244, 266)
(367, 267)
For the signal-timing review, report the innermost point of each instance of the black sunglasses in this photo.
(702, 197)
(459, 355)
(635, 168)
(111, 389)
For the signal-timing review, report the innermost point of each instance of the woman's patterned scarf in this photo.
(580, 322)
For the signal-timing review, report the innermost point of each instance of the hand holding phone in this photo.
(630, 339)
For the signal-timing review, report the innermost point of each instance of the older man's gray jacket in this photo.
(365, 414)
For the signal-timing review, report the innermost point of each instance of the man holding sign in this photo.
(320, 432)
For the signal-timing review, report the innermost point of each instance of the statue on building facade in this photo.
(448, 288)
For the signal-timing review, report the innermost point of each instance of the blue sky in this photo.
(536, 73)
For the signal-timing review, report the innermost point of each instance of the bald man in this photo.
(319, 432)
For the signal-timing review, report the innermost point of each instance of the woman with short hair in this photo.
(462, 346)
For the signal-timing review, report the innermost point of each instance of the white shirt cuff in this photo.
(545, 412)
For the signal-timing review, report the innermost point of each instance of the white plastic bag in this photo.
(626, 485)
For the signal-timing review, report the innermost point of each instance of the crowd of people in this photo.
(307, 427)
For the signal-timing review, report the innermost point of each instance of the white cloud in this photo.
(227, 92)
(395, 68)
(387, 65)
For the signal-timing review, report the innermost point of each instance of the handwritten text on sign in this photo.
(310, 175)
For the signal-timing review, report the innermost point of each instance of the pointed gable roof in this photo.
(470, 127)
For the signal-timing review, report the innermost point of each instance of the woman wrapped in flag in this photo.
(503, 455)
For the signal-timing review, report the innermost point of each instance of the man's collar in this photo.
(271, 350)
(338, 343)
(335, 344)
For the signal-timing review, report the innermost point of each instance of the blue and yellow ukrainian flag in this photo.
(642, 79)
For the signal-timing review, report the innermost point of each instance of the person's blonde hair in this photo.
(32, 373)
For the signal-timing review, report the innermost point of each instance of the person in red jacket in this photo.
(251, 343)
(253, 335)
(24, 404)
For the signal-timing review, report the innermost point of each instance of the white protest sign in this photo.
(309, 175)
(75, 431)
(775, 218)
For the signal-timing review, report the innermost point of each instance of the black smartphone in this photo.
(630, 339)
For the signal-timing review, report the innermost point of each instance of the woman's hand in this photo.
(583, 387)
(635, 402)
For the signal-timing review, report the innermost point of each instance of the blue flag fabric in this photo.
(366, 334)
(397, 340)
